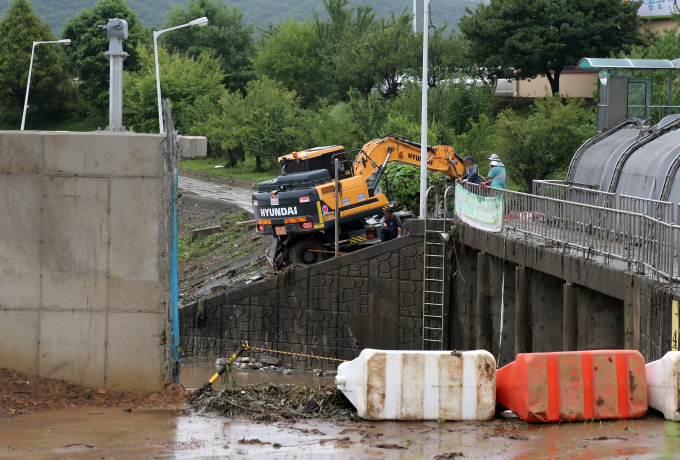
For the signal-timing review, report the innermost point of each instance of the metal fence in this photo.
(635, 238)
(665, 211)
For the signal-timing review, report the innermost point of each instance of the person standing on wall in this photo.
(496, 172)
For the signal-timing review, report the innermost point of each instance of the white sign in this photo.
(304, 199)
(275, 201)
(657, 8)
(345, 201)
(361, 197)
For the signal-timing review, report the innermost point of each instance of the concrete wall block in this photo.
(19, 340)
(71, 347)
(108, 154)
(21, 152)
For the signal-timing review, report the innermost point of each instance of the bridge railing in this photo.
(666, 211)
(635, 238)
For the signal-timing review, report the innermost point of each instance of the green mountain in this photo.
(258, 12)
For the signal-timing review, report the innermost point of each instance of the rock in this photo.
(331, 372)
(288, 371)
(245, 359)
(271, 360)
(219, 362)
(257, 365)
(509, 414)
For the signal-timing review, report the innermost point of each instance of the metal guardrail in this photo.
(637, 239)
(666, 211)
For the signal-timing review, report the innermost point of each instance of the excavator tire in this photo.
(300, 252)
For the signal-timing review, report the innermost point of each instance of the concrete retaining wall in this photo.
(505, 295)
(84, 269)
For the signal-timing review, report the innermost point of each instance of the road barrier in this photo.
(572, 386)
(663, 385)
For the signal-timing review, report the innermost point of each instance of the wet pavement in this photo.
(151, 433)
(242, 197)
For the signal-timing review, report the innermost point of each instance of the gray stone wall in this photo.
(368, 298)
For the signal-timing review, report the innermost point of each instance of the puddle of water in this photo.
(154, 433)
(193, 375)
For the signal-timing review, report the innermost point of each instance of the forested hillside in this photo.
(258, 12)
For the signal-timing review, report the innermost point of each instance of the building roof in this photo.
(628, 64)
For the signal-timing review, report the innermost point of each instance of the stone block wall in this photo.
(368, 298)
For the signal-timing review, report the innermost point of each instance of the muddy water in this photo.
(242, 197)
(193, 375)
(112, 433)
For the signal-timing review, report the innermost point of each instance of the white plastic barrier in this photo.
(663, 384)
(420, 385)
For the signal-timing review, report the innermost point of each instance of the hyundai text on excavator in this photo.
(298, 207)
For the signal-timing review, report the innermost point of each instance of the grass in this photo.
(224, 241)
(243, 170)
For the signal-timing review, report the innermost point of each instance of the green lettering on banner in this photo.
(485, 213)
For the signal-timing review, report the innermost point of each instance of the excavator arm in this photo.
(373, 158)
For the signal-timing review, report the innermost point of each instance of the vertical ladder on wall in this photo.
(434, 248)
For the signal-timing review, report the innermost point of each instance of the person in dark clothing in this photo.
(391, 226)
(472, 173)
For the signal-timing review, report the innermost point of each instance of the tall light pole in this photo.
(30, 70)
(423, 117)
(415, 29)
(196, 22)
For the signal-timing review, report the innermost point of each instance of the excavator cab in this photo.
(316, 159)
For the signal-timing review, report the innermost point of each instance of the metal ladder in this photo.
(434, 262)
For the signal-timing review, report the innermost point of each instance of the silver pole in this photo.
(337, 208)
(423, 119)
(670, 91)
(28, 86)
(415, 29)
(158, 82)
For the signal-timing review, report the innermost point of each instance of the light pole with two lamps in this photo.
(196, 22)
(30, 69)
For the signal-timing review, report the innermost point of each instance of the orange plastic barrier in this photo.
(570, 386)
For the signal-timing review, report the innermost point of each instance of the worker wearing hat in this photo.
(496, 172)
(472, 171)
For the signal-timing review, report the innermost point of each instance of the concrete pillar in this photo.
(116, 59)
(631, 313)
(522, 333)
(484, 323)
(569, 318)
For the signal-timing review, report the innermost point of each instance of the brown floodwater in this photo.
(194, 374)
(111, 433)
(85, 433)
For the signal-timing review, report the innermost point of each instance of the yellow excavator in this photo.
(298, 207)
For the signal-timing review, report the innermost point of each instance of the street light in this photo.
(196, 22)
(30, 69)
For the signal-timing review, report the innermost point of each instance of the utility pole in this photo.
(423, 117)
(415, 29)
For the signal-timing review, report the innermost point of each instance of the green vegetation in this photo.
(225, 37)
(226, 241)
(537, 37)
(89, 42)
(243, 170)
(51, 90)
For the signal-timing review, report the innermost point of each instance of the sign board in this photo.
(484, 213)
(657, 8)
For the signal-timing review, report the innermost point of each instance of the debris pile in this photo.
(271, 402)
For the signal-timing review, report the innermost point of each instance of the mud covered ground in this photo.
(229, 259)
(22, 394)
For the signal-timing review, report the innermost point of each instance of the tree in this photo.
(51, 89)
(291, 56)
(86, 60)
(192, 85)
(264, 125)
(541, 37)
(390, 51)
(542, 145)
(225, 35)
